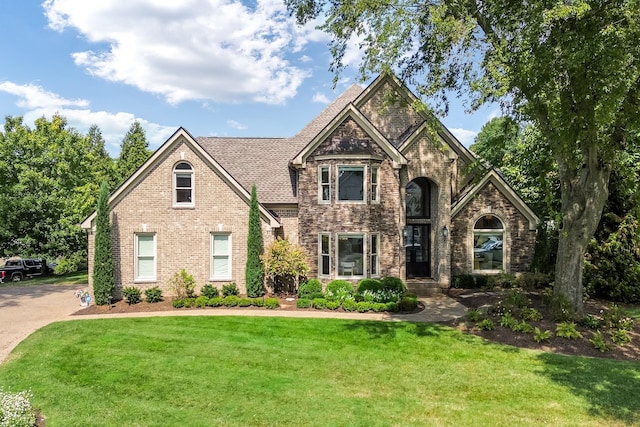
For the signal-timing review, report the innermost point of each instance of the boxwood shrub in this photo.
(209, 291)
(363, 306)
(201, 301)
(303, 303)
(408, 303)
(333, 305)
(230, 300)
(132, 295)
(338, 290)
(272, 303)
(319, 303)
(349, 305)
(244, 302)
(153, 295)
(215, 302)
(257, 302)
(310, 289)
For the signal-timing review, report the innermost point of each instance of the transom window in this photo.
(183, 184)
(351, 183)
(488, 244)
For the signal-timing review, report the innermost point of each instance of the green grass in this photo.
(77, 278)
(245, 371)
(633, 312)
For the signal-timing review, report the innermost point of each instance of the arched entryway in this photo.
(418, 236)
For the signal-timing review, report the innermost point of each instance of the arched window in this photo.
(488, 244)
(183, 184)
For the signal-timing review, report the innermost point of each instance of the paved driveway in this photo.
(25, 309)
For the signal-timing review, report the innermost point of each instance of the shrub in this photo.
(153, 295)
(338, 290)
(531, 314)
(178, 303)
(209, 291)
(540, 336)
(132, 295)
(482, 281)
(535, 280)
(363, 306)
(271, 303)
(368, 285)
(516, 298)
(508, 321)
(244, 302)
(620, 337)
(349, 305)
(230, 300)
(503, 280)
(474, 314)
(523, 327)
(598, 342)
(408, 303)
(378, 307)
(230, 289)
(215, 302)
(616, 317)
(392, 307)
(333, 305)
(568, 330)
(285, 265)
(310, 289)
(590, 321)
(16, 409)
(103, 279)
(464, 281)
(303, 303)
(393, 283)
(182, 285)
(188, 302)
(201, 301)
(319, 303)
(70, 264)
(257, 302)
(485, 325)
(254, 269)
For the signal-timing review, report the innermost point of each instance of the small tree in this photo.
(103, 282)
(284, 264)
(254, 270)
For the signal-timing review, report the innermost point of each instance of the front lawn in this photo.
(240, 371)
(76, 278)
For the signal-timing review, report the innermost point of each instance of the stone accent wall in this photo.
(383, 217)
(519, 239)
(183, 235)
(389, 112)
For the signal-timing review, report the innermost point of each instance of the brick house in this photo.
(365, 188)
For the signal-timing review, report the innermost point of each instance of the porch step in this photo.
(423, 288)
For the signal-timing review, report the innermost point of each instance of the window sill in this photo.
(154, 280)
(185, 206)
(220, 279)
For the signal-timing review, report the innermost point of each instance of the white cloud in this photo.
(219, 50)
(494, 114)
(39, 102)
(236, 125)
(320, 98)
(465, 136)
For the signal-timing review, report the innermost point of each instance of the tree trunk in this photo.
(584, 194)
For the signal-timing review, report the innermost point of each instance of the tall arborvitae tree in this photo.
(254, 271)
(134, 152)
(103, 280)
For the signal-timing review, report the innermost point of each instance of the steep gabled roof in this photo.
(350, 111)
(181, 136)
(494, 178)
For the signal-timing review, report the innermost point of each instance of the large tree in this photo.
(570, 67)
(134, 151)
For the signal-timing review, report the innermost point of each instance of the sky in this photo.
(214, 67)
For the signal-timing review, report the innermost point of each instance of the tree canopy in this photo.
(134, 151)
(571, 68)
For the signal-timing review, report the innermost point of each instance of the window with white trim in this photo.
(183, 184)
(375, 184)
(351, 183)
(350, 258)
(488, 244)
(220, 256)
(373, 252)
(324, 255)
(145, 264)
(324, 184)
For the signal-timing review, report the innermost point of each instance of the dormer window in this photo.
(183, 185)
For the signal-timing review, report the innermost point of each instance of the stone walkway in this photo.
(24, 310)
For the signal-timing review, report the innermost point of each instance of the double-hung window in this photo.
(373, 252)
(220, 256)
(145, 264)
(183, 185)
(324, 184)
(351, 183)
(375, 184)
(324, 253)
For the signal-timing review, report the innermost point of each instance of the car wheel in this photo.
(16, 277)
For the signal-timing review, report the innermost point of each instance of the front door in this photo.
(418, 247)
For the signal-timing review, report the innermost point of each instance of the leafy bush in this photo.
(474, 314)
(531, 314)
(516, 298)
(70, 264)
(523, 327)
(303, 303)
(319, 303)
(16, 409)
(153, 295)
(392, 307)
(503, 280)
(230, 289)
(333, 305)
(310, 289)
(188, 302)
(244, 302)
(368, 285)
(540, 336)
(620, 336)
(349, 305)
(209, 291)
(508, 321)
(598, 342)
(485, 325)
(132, 295)
(568, 330)
(215, 302)
(257, 302)
(363, 306)
(182, 285)
(338, 290)
(616, 317)
(464, 281)
(285, 265)
(393, 283)
(535, 280)
(178, 303)
(408, 303)
(590, 321)
(482, 281)
(230, 300)
(201, 301)
(378, 307)
(271, 303)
